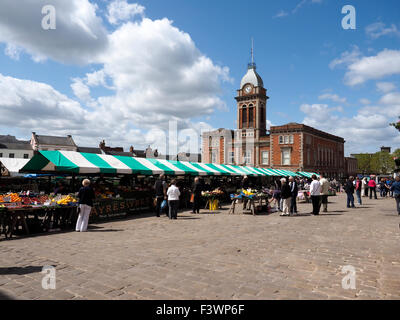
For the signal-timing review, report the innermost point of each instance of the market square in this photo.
(215, 256)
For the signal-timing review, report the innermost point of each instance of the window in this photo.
(231, 159)
(251, 116)
(280, 139)
(26, 156)
(214, 157)
(11, 155)
(291, 139)
(286, 139)
(247, 157)
(1, 155)
(286, 156)
(308, 157)
(265, 157)
(244, 117)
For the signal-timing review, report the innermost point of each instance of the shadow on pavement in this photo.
(21, 270)
(4, 296)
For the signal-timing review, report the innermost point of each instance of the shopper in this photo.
(372, 188)
(315, 192)
(197, 189)
(286, 196)
(382, 188)
(294, 189)
(324, 192)
(173, 194)
(349, 189)
(396, 192)
(363, 187)
(160, 188)
(359, 184)
(86, 197)
(245, 186)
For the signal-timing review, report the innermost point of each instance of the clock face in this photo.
(247, 89)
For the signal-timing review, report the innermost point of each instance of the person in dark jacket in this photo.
(349, 189)
(86, 196)
(160, 188)
(197, 189)
(245, 186)
(395, 188)
(294, 189)
(286, 196)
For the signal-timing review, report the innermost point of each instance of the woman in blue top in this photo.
(396, 192)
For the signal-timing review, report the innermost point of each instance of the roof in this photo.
(119, 153)
(57, 141)
(139, 153)
(21, 145)
(8, 138)
(89, 150)
(252, 77)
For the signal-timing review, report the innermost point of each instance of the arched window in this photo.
(244, 116)
(251, 116)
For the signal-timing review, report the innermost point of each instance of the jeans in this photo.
(397, 197)
(293, 203)
(173, 208)
(358, 193)
(316, 203)
(370, 192)
(350, 200)
(158, 205)
(324, 201)
(383, 192)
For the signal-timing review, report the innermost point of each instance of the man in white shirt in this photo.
(173, 194)
(324, 192)
(315, 192)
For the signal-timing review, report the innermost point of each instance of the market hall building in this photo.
(293, 146)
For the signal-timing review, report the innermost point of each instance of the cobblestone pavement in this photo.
(215, 256)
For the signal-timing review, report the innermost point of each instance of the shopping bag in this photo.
(164, 204)
(192, 198)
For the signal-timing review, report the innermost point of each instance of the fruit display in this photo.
(11, 197)
(66, 200)
(217, 193)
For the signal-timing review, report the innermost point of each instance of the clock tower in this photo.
(252, 103)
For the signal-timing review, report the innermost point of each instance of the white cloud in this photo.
(333, 97)
(281, 14)
(78, 38)
(121, 10)
(12, 51)
(346, 58)
(364, 101)
(379, 29)
(366, 131)
(385, 86)
(153, 72)
(385, 63)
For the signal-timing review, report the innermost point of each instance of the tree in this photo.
(396, 124)
(382, 162)
(364, 163)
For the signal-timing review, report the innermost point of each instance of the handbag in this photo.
(192, 198)
(164, 204)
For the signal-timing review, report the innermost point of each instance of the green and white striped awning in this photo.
(89, 163)
(307, 174)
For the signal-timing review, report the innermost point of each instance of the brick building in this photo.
(292, 146)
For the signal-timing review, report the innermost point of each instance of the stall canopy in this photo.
(14, 165)
(88, 163)
(307, 174)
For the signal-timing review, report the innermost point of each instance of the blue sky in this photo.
(343, 81)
